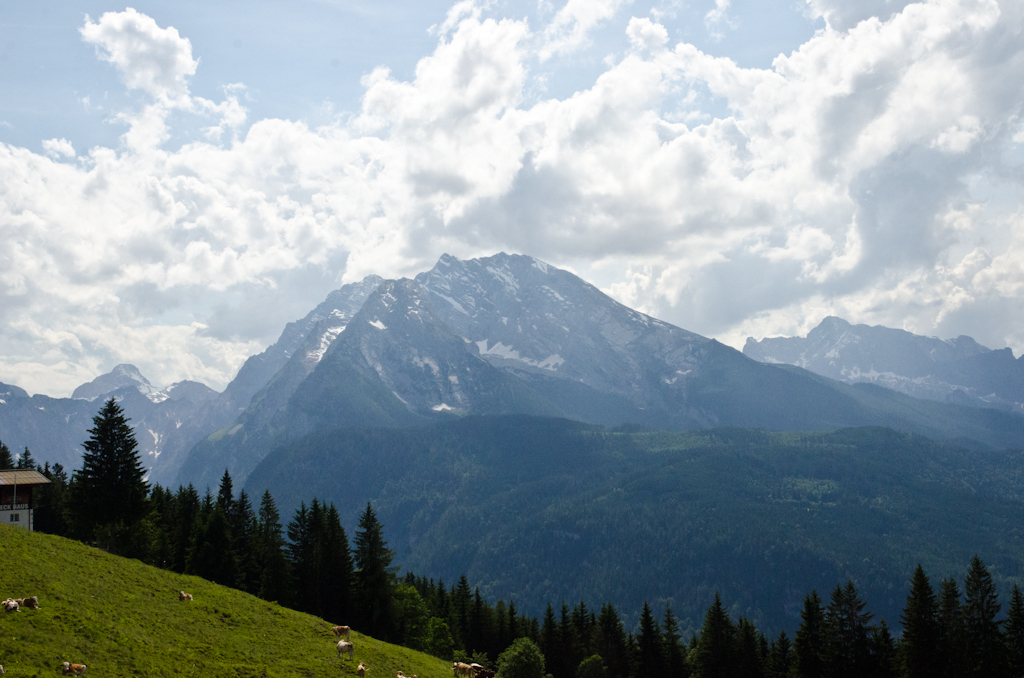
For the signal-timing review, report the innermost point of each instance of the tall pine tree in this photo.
(715, 655)
(111, 488)
(985, 648)
(920, 647)
(374, 576)
(6, 459)
(809, 644)
(1014, 629)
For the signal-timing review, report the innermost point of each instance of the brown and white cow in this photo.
(69, 669)
(184, 596)
(342, 632)
(345, 647)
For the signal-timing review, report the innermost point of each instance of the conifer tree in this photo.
(649, 644)
(675, 660)
(748, 663)
(26, 462)
(1014, 629)
(549, 642)
(337, 564)
(780, 657)
(985, 648)
(567, 658)
(300, 560)
(373, 576)
(716, 648)
(242, 523)
(188, 522)
(847, 650)
(809, 644)
(51, 513)
(111, 488)
(611, 642)
(952, 634)
(920, 647)
(6, 459)
(211, 556)
(273, 564)
(884, 661)
(225, 495)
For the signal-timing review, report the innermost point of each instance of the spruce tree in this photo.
(549, 642)
(273, 563)
(225, 495)
(952, 634)
(6, 459)
(985, 648)
(300, 561)
(337, 564)
(716, 649)
(242, 523)
(649, 644)
(920, 647)
(611, 642)
(847, 647)
(675, 659)
(780, 657)
(748, 662)
(374, 576)
(211, 556)
(26, 462)
(809, 644)
(884, 659)
(111, 487)
(187, 524)
(1014, 629)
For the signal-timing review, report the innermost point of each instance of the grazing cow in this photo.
(184, 596)
(361, 670)
(69, 669)
(11, 605)
(29, 603)
(462, 670)
(341, 632)
(1, 670)
(345, 647)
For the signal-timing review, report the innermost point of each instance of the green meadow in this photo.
(122, 618)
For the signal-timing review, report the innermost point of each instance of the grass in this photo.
(123, 618)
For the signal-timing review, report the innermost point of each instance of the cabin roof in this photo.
(22, 477)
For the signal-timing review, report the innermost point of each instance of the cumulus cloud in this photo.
(854, 177)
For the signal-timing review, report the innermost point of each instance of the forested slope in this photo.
(544, 509)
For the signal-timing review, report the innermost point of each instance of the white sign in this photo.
(13, 507)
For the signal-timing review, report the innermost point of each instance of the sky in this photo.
(179, 180)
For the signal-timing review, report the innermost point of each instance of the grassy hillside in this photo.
(123, 618)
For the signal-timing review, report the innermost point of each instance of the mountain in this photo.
(54, 428)
(954, 370)
(540, 510)
(509, 334)
(169, 422)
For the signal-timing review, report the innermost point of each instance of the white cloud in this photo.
(59, 147)
(156, 60)
(570, 29)
(841, 181)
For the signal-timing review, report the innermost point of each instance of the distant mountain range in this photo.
(500, 335)
(954, 370)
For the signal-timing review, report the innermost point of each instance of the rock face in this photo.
(509, 334)
(54, 428)
(954, 370)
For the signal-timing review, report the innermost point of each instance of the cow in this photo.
(342, 632)
(361, 670)
(345, 647)
(184, 596)
(11, 605)
(462, 670)
(29, 603)
(69, 669)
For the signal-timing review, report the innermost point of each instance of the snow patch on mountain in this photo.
(378, 324)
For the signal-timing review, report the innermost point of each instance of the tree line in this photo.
(310, 565)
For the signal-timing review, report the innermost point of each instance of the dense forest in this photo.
(310, 565)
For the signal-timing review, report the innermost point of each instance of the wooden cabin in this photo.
(17, 504)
